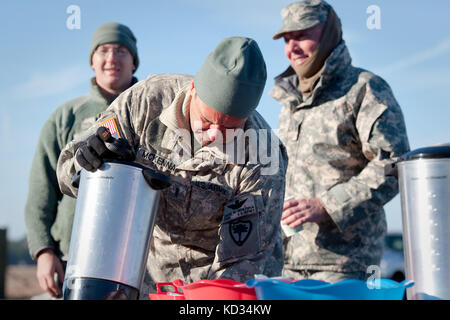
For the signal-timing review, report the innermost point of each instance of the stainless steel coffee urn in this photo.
(424, 182)
(113, 224)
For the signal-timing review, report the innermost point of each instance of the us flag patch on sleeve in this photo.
(111, 125)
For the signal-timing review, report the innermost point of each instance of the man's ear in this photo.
(192, 88)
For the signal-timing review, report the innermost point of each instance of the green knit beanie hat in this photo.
(232, 77)
(113, 32)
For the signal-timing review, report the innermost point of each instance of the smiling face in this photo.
(208, 124)
(300, 45)
(113, 66)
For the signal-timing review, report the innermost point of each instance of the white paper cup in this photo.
(288, 231)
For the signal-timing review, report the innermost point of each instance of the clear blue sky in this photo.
(43, 64)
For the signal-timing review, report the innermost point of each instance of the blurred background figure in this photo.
(49, 214)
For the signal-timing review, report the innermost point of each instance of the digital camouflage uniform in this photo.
(338, 140)
(218, 219)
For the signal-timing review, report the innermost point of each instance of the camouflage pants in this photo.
(327, 276)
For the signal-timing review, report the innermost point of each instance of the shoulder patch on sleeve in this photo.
(240, 229)
(238, 208)
(111, 125)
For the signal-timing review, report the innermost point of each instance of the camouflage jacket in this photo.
(338, 140)
(220, 217)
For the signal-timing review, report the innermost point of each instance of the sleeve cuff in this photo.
(334, 201)
(37, 252)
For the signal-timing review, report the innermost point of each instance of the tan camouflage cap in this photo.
(302, 15)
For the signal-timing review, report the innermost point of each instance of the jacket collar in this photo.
(286, 84)
(96, 93)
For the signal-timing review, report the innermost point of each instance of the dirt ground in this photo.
(21, 282)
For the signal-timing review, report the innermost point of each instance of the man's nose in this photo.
(112, 55)
(215, 133)
(292, 44)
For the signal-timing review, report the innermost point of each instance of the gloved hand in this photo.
(102, 145)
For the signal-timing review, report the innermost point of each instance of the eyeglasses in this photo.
(120, 52)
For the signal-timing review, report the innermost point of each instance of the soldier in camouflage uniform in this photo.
(341, 125)
(220, 216)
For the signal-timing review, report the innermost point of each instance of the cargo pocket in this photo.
(365, 121)
(240, 229)
(206, 203)
(176, 199)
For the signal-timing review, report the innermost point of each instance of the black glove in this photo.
(102, 145)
